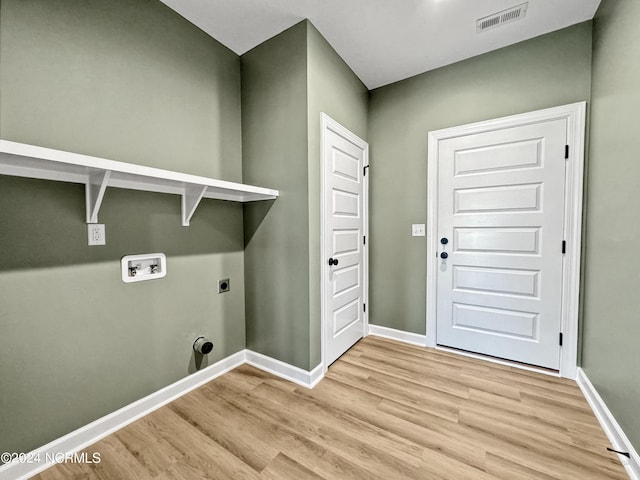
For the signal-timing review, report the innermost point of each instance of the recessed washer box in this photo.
(148, 266)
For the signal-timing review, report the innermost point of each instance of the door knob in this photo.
(444, 255)
(333, 261)
(444, 240)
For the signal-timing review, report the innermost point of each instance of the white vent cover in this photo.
(505, 16)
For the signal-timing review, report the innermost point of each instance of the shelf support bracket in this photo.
(190, 201)
(96, 186)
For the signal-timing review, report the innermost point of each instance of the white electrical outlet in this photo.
(96, 234)
(417, 229)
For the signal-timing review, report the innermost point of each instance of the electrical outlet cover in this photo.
(96, 234)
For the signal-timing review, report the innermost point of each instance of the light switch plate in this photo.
(417, 229)
(96, 234)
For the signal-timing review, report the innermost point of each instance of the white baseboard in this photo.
(401, 336)
(284, 370)
(93, 432)
(611, 427)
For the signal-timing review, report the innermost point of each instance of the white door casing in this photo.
(343, 230)
(503, 194)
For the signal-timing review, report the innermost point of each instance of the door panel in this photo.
(497, 158)
(346, 204)
(497, 240)
(345, 165)
(346, 316)
(498, 199)
(501, 203)
(344, 233)
(346, 241)
(497, 281)
(346, 279)
(495, 321)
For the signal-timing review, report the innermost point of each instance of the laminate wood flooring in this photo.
(384, 411)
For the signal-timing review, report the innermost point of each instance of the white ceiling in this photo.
(383, 41)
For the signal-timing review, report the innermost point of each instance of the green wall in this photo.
(334, 89)
(274, 143)
(546, 71)
(286, 83)
(612, 265)
(134, 82)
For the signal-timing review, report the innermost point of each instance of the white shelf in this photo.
(97, 174)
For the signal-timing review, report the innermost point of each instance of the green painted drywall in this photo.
(274, 143)
(612, 265)
(135, 82)
(334, 89)
(131, 81)
(286, 83)
(546, 71)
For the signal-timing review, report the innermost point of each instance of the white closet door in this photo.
(344, 233)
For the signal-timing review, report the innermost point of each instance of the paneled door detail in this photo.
(500, 231)
(344, 224)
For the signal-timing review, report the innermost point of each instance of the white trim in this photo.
(91, 433)
(95, 431)
(326, 122)
(611, 427)
(365, 247)
(284, 370)
(399, 335)
(576, 120)
(575, 116)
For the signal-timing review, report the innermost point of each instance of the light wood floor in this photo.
(384, 411)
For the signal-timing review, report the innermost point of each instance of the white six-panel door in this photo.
(500, 227)
(345, 156)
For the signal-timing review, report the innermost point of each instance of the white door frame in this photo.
(575, 117)
(329, 123)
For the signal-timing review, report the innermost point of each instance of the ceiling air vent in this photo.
(505, 16)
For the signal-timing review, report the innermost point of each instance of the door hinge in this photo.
(364, 170)
(566, 152)
(560, 339)
(564, 247)
(364, 240)
(364, 307)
